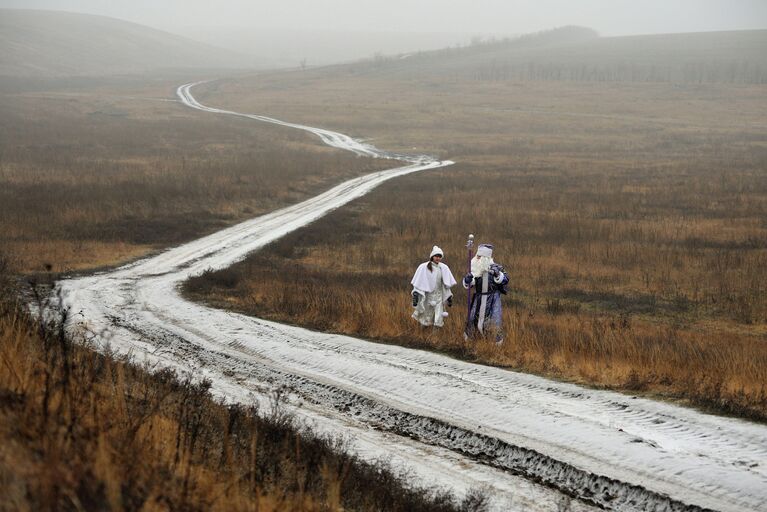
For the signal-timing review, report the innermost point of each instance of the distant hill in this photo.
(57, 44)
(287, 48)
(575, 53)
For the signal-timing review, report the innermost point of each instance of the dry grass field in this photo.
(93, 174)
(83, 430)
(632, 217)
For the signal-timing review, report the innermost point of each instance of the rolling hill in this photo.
(575, 53)
(60, 44)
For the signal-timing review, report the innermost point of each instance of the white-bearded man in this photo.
(431, 290)
(489, 281)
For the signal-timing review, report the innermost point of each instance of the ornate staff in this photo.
(469, 246)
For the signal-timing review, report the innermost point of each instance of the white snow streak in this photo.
(694, 458)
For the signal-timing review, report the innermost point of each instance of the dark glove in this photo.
(468, 279)
(416, 296)
(450, 301)
(495, 270)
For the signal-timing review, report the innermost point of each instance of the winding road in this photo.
(534, 444)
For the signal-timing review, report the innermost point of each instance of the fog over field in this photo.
(613, 17)
(284, 33)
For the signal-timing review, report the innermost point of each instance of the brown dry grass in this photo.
(484, 121)
(631, 216)
(100, 174)
(80, 430)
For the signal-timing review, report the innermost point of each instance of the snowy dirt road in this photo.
(532, 442)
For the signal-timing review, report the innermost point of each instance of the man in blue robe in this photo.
(489, 281)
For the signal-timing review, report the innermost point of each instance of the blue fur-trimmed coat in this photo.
(493, 321)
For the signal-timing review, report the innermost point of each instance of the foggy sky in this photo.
(609, 17)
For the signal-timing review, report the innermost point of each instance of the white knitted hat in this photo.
(436, 250)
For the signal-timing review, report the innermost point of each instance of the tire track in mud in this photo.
(238, 364)
(605, 448)
(593, 489)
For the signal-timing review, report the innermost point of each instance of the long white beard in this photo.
(481, 265)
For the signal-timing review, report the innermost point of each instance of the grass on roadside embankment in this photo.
(82, 430)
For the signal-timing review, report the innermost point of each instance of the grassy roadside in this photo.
(99, 174)
(81, 430)
(631, 216)
(353, 281)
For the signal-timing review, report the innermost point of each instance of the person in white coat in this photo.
(431, 290)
